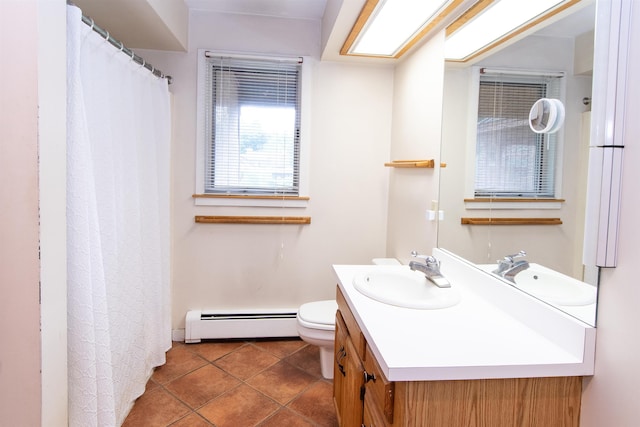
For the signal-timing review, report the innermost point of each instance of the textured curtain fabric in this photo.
(118, 227)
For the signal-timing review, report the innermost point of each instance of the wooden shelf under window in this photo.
(300, 220)
(510, 221)
(427, 163)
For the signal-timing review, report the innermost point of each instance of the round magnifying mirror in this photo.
(546, 115)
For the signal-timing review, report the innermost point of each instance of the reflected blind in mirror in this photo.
(512, 160)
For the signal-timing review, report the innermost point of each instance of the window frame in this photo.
(507, 202)
(202, 139)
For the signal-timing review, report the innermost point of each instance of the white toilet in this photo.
(316, 325)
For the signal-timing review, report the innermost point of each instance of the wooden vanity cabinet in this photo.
(504, 402)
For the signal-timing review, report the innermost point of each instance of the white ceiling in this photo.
(580, 19)
(138, 25)
(576, 23)
(297, 9)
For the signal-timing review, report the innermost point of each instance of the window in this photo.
(511, 160)
(251, 126)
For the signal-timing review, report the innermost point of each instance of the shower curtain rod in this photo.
(119, 45)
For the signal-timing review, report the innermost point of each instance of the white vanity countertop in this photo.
(477, 338)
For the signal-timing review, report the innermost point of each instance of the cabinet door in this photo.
(380, 390)
(372, 416)
(348, 382)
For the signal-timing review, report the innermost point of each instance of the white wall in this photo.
(261, 266)
(417, 116)
(52, 96)
(610, 398)
(558, 246)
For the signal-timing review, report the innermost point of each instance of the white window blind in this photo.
(252, 115)
(512, 160)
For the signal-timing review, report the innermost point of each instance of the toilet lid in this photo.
(319, 313)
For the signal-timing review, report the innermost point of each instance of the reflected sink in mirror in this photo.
(551, 286)
(399, 286)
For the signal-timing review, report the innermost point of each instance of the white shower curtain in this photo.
(117, 227)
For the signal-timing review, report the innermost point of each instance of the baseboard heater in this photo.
(269, 323)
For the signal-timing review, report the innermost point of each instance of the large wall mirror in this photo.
(533, 198)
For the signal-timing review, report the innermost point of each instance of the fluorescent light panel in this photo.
(393, 24)
(495, 22)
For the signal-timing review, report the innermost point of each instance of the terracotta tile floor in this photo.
(261, 383)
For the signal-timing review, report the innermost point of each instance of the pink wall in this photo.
(19, 259)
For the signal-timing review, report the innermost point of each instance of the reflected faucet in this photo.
(431, 269)
(508, 267)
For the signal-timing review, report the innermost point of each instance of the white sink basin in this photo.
(399, 286)
(553, 287)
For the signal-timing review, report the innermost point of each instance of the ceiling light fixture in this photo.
(388, 28)
(491, 23)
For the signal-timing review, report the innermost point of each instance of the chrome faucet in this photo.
(508, 267)
(431, 269)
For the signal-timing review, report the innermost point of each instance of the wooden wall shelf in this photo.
(427, 163)
(300, 220)
(511, 221)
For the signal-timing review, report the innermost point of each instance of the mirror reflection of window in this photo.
(511, 159)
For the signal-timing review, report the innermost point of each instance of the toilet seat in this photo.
(318, 315)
